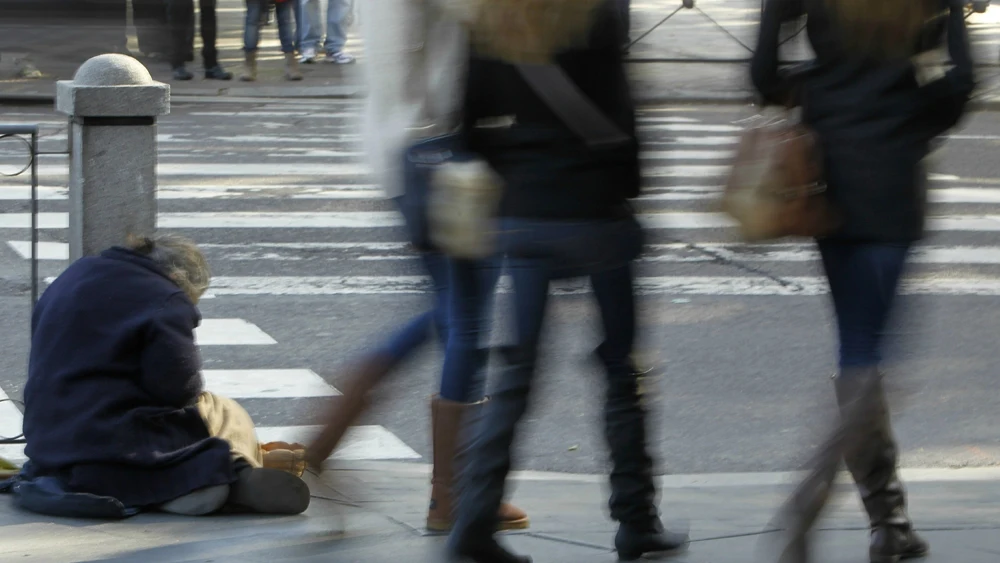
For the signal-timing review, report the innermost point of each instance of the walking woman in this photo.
(564, 213)
(876, 112)
(416, 55)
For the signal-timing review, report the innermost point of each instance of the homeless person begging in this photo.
(116, 418)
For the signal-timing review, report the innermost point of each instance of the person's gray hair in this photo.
(179, 257)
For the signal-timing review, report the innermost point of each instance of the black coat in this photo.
(549, 172)
(113, 376)
(874, 121)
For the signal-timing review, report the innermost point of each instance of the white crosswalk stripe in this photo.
(303, 217)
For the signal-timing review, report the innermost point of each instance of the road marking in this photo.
(808, 253)
(289, 113)
(46, 250)
(230, 332)
(652, 285)
(690, 141)
(11, 424)
(267, 383)
(681, 220)
(656, 119)
(359, 443)
(685, 171)
(687, 155)
(692, 127)
(714, 480)
(257, 169)
(372, 192)
(666, 253)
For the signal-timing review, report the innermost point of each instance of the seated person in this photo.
(114, 403)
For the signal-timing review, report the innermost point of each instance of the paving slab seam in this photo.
(703, 480)
(555, 539)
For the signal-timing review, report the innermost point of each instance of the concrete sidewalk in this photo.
(689, 36)
(373, 513)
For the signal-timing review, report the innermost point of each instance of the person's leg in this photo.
(251, 38)
(286, 33)
(633, 492)
(208, 28)
(379, 364)
(462, 376)
(147, 16)
(484, 478)
(209, 32)
(180, 17)
(868, 277)
(459, 405)
(863, 282)
(337, 12)
(624, 11)
(308, 32)
(198, 503)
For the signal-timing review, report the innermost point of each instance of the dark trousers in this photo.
(624, 8)
(531, 269)
(150, 17)
(863, 281)
(180, 15)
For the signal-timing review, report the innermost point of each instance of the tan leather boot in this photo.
(249, 66)
(447, 418)
(292, 71)
(346, 408)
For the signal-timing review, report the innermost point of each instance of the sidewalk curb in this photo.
(701, 480)
(254, 95)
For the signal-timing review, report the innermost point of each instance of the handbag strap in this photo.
(572, 106)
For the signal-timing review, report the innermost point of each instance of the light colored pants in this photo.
(310, 32)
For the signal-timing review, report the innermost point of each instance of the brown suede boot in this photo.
(346, 408)
(447, 418)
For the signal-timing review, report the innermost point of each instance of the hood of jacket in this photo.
(524, 31)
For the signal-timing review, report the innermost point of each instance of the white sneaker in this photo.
(308, 56)
(339, 58)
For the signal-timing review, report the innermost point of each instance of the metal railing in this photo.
(971, 7)
(28, 135)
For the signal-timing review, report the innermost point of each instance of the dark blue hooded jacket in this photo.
(113, 377)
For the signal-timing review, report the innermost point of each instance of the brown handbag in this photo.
(776, 187)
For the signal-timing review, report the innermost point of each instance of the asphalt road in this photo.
(304, 250)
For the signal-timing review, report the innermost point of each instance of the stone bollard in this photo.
(113, 104)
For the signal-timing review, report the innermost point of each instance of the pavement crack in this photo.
(727, 261)
(566, 541)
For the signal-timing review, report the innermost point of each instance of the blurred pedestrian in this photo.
(310, 32)
(180, 17)
(876, 109)
(569, 159)
(416, 54)
(151, 27)
(115, 405)
(624, 12)
(285, 12)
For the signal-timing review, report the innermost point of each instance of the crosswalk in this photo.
(279, 197)
(361, 442)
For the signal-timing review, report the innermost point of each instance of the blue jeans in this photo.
(863, 280)
(463, 296)
(471, 286)
(285, 13)
(310, 30)
(538, 252)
